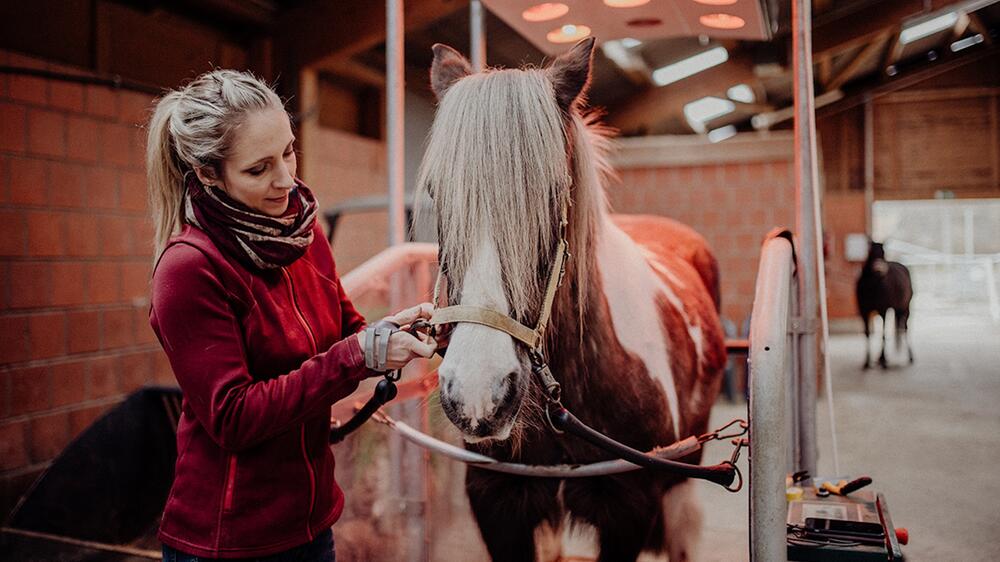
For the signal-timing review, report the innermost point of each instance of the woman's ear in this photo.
(570, 73)
(207, 175)
(449, 66)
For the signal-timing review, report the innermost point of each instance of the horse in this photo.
(883, 285)
(634, 336)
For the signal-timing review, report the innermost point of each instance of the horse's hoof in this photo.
(883, 364)
(866, 366)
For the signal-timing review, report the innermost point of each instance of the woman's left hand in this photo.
(406, 317)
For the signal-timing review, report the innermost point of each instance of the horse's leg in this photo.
(625, 511)
(868, 354)
(683, 519)
(508, 510)
(881, 358)
(902, 331)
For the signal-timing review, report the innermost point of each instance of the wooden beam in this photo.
(976, 23)
(867, 53)
(861, 27)
(646, 110)
(321, 29)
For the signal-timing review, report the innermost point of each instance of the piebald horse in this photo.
(634, 337)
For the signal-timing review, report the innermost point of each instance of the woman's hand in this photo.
(406, 317)
(404, 347)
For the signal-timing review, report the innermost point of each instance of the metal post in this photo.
(869, 164)
(806, 183)
(394, 117)
(477, 35)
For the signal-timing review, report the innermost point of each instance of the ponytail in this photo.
(164, 174)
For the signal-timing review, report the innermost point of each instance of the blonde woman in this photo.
(248, 307)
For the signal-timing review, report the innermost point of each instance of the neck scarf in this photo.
(256, 240)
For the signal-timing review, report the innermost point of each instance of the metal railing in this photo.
(773, 395)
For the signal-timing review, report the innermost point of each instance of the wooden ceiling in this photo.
(854, 43)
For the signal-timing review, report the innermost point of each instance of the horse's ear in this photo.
(570, 73)
(449, 66)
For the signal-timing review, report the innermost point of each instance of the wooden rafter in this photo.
(870, 51)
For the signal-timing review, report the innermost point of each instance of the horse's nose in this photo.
(474, 415)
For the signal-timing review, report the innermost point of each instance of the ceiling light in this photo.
(545, 12)
(568, 33)
(629, 42)
(928, 27)
(692, 65)
(716, 2)
(722, 21)
(722, 133)
(705, 109)
(966, 43)
(625, 3)
(741, 93)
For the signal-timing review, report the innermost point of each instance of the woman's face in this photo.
(260, 170)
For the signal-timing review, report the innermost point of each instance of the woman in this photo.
(248, 307)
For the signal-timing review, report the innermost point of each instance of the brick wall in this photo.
(75, 257)
(732, 193)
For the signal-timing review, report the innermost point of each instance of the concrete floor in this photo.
(928, 434)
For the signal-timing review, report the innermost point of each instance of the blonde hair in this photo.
(193, 127)
(498, 167)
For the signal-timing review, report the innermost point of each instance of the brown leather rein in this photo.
(560, 419)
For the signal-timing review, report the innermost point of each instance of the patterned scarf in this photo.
(257, 240)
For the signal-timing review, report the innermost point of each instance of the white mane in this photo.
(497, 165)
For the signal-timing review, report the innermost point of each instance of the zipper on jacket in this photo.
(227, 502)
(305, 450)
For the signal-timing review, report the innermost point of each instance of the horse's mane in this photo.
(496, 168)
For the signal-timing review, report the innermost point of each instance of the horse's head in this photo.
(876, 259)
(498, 169)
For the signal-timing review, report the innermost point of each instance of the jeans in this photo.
(319, 550)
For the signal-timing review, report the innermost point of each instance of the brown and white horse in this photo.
(634, 338)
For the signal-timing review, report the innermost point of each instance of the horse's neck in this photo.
(611, 257)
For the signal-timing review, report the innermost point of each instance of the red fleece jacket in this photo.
(260, 357)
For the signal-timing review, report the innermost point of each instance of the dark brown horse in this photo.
(884, 285)
(634, 338)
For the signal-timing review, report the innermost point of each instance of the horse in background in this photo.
(883, 285)
(634, 337)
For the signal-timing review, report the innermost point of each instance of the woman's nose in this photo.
(286, 179)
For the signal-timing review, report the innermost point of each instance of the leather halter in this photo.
(533, 338)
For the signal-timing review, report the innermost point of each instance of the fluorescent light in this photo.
(625, 3)
(705, 109)
(629, 42)
(692, 65)
(722, 133)
(741, 93)
(928, 27)
(966, 43)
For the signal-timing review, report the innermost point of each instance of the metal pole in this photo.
(869, 165)
(477, 35)
(806, 181)
(394, 117)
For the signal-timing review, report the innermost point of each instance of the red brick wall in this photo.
(732, 197)
(75, 257)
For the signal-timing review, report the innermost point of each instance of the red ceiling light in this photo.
(545, 11)
(644, 22)
(722, 21)
(625, 3)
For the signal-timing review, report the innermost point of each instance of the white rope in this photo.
(604, 468)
